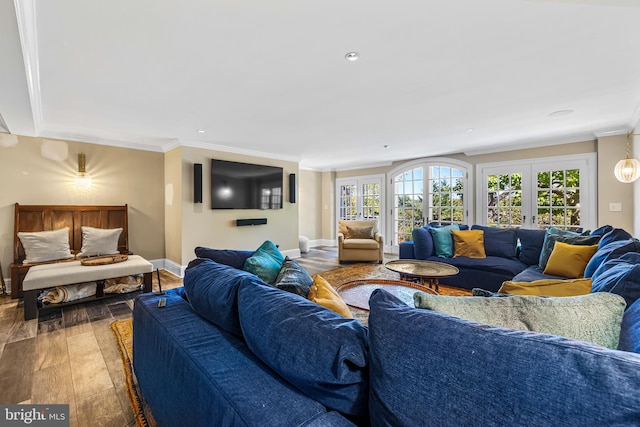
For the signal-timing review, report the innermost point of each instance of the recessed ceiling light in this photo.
(386, 146)
(200, 131)
(352, 56)
(560, 113)
(470, 130)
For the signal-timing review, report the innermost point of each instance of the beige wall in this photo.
(120, 176)
(203, 226)
(611, 149)
(310, 203)
(173, 204)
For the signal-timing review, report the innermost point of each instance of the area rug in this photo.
(357, 271)
(123, 331)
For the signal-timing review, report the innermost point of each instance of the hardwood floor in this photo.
(69, 354)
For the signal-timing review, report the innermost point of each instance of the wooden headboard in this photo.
(54, 217)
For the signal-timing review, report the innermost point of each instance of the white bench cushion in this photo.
(67, 273)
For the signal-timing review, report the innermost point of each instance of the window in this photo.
(428, 191)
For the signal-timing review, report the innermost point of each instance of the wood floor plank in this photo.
(16, 389)
(52, 385)
(22, 329)
(51, 349)
(101, 410)
(88, 369)
(18, 358)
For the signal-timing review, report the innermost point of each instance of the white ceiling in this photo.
(270, 77)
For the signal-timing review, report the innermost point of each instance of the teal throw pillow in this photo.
(443, 240)
(265, 262)
(594, 318)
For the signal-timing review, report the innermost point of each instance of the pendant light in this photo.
(627, 170)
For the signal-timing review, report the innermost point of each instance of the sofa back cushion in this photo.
(232, 257)
(422, 243)
(429, 368)
(319, 352)
(630, 330)
(501, 242)
(609, 251)
(357, 224)
(212, 291)
(531, 242)
(619, 276)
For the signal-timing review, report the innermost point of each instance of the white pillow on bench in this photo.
(99, 241)
(41, 246)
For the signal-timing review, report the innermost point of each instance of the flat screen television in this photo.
(236, 185)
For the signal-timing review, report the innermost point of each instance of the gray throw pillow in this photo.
(293, 278)
(41, 246)
(594, 318)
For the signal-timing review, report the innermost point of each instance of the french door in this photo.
(539, 193)
(360, 198)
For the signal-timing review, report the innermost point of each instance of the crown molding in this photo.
(235, 150)
(102, 141)
(579, 137)
(26, 17)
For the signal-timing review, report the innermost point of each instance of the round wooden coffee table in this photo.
(356, 293)
(427, 273)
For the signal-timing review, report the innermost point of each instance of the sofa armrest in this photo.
(406, 250)
(340, 237)
(379, 237)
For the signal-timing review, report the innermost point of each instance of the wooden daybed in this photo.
(29, 218)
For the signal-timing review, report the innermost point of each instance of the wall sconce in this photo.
(82, 178)
(627, 170)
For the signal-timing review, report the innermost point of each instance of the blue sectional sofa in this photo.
(511, 254)
(230, 350)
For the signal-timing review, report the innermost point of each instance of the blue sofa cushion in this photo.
(530, 245)
(212, 291)
(620, 276)
(194, 374)
(612, 250)
(630, 329)
(500, 242)
(533, 273)
(265, 262)
(459, 372)
(601, 231)
(554, 235)
(293, 278)
(422, 243)
(318, 351)
(232, 257)
(507, 266)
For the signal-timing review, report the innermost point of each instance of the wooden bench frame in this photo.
(30, 218)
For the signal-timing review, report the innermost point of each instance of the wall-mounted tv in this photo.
(236, 185)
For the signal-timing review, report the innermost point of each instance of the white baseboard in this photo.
(170, 266)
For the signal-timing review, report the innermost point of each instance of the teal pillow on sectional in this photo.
(432, 369)
(443, 240)
(319, 352)
(265, 262)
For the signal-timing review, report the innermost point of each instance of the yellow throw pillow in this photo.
(548, 287)
(569, 260)
(322, 293)
(469, 243)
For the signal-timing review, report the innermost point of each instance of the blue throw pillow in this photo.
(475, 374)
(630, 329)
(619, 276)
(500, 242)
(610, 251)
(614, 235)
(293, 278)
(319, 352)
(554, 235)
(212, 291)
(422, 242)
(531, 242)
(232, 257)
(443, 240)
(265, 262)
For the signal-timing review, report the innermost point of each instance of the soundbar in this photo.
(252, 221)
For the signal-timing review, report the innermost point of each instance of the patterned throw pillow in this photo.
(594, 318)
(293, 278)
(359, 232)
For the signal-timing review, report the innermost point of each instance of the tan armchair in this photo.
(359, 241)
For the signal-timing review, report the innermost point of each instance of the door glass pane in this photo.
(408, 199)
(347, 202)
(445, 201)
(504, 191)
(559, 198)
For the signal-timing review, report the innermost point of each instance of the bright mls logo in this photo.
(36, 415)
